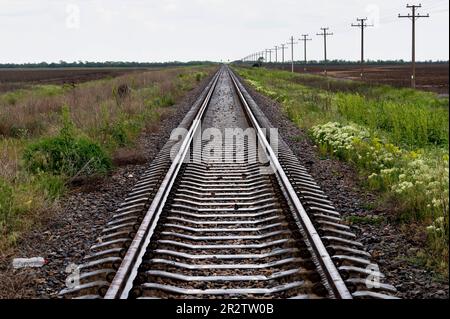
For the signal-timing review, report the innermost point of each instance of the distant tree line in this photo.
(107, 64)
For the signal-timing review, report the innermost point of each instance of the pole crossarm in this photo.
(414, 14)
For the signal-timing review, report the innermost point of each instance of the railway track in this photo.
(229, 216)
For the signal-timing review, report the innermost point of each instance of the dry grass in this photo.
(98, 112)
(16, 286)
(9, 158)
(35, 112)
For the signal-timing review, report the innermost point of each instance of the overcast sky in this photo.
(183, 30)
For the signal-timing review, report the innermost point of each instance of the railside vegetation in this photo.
(396, 138)
(52, 134)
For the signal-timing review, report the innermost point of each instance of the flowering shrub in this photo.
(355, 143)
(418, 180)
(337, 138)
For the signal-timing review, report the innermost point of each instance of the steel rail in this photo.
(122, 283)
(168, 236)
(333, 276)
(125, 275)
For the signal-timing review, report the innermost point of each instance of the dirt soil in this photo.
(393, 246)
(429, 77)
(12, 79)
(68, 232)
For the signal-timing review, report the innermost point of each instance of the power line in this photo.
(270, 55)
(305, 40)
(292, 53)
(325, 33)
(413, 16)
(362, 24)
(283, 46)
(276, 53)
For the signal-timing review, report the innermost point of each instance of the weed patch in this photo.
(66, 154)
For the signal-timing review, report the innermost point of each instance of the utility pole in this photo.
(325, 34)
(276, 53)
(414, 16)
(362, 24)
(292, 54)
(305, 39)
(282, 47)
(270, 55)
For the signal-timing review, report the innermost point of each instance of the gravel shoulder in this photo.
(393, 246)
(70, 230)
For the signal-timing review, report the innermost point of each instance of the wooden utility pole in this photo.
(362, 24)
(305, 39)
(325, 33)
(283, 46)
(292, 53)
(276, 53)
(413, 16)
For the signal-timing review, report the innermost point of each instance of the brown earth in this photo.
(11, 79)
(429, 77)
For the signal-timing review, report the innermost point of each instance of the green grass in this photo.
(397, 138)
(40, 91)
(371, 220)
(403, 116)
(29, 196)
(66, 154)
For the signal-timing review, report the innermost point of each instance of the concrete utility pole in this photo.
(305, 39)
(325, 34)
(362, 24)
(292, 54)
(270, 55)
(276, 53)
(282, 47)
(414, 16)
